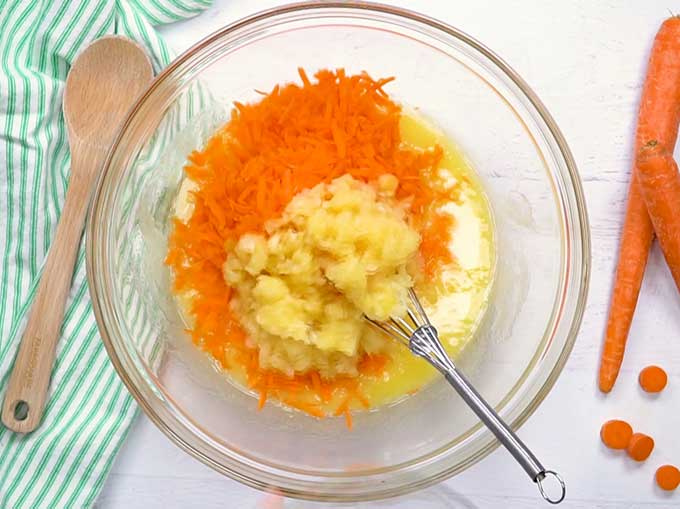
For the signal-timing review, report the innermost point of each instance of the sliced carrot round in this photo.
(640, 446)
(653, 379)
(616, 434)
(668, 477)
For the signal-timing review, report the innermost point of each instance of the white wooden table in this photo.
(586, 60)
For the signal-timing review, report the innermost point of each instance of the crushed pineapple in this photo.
(339, 251)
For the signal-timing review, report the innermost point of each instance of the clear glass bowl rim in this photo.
(314, 489)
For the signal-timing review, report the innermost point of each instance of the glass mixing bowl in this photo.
(543, 253)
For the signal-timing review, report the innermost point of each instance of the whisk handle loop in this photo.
(425, 343)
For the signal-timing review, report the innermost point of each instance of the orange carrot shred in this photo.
(373, 364)
(348, 418)
(341, 408)
(262, 400)
(362, 399)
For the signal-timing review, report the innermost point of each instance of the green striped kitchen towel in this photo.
(64, 463)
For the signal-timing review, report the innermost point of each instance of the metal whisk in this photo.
(418, 334)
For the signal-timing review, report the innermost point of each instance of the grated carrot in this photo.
(348, 419)
(342, 408)
(263, 399)
(362, 399)
(437, 251)
(292, 139)
(373, 364)
(309, 408)
(316, 381)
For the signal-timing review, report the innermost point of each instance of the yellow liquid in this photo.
(454, 302)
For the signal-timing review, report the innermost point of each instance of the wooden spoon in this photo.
(103, 83)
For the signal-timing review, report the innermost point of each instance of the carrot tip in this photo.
(606, 385)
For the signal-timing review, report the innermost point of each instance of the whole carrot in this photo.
(660, 184)
(658, 119)
(636, 240)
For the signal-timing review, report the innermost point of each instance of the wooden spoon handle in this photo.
(27, 390)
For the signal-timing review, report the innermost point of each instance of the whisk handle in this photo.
(426, 344)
